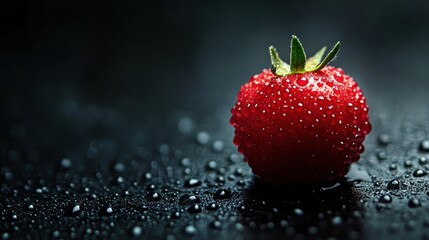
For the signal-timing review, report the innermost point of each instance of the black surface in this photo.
(126, 92)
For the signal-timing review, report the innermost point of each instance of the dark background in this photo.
(148, 59)
(107, 82)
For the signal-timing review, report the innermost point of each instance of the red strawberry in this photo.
(303, 123)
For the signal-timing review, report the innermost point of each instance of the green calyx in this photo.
(298, 61)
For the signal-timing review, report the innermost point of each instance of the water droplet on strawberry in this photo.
(302, 81)
(339, 77)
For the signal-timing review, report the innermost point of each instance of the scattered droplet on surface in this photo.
(414, 203)
(424, 146)
(190, 230)
(393, 184)
(73, 209)
(423, 160)
(218, 146)
(155, 196)
(66, 163)
(384, 139)
(187, 199)
(408, 164)
(185, 125)
(203, 138)
(106, 211)
(385, 199)
(137, 231)
(216, 224)
(222, 194)
(212, 165)
(298, 212)
(419, 173)
(194, 208)
(193, 182)
(212, 206)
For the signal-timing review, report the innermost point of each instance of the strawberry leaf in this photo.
(297, 56)
(278, 67)
(315, 60)
(331, 55)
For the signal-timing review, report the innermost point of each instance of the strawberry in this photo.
(302, 123)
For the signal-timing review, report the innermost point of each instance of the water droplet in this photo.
(284, 223)
(148, 176)
(216, 224)
(384, 139)
(66, 163)
(164, 149)
(419, 173)
(190, 230)
(203, 138)
(234, 158)
(239, 172)
(298, 212)
(303, 81)
(241, 183)
(381, 156)
(73, 209)
(185, 125)
(423, 160)
(175, 215)
(186, 162)
(212, 165)
(338, 77)
(5, 235)
(119, 167)
(337, 220)
(120, 180)
(220, 179)
(410, 225)
(385, 199)
(222, 194)
(408, 164)
(239, 227)
(193, 182)
(194, 208)
(218, 146)
(424, 146)
(212, 206)
(106, 211)
(155, 196)
(413, 203)
(392, 167)
(187, 199)
(137, 231)
(393, 184)
(29, 207)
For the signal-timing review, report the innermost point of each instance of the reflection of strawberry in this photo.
(303, 123)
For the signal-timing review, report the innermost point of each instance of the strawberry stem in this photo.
(298, 59)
